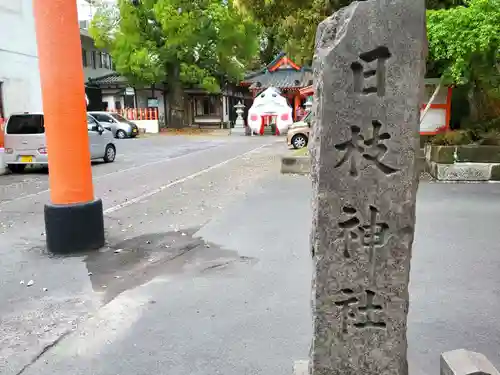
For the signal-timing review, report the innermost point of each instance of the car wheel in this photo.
(299, 141)
(110, 154)
(120, 134)
(16, 168)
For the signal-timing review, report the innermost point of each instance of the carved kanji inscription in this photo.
(371, 149)
(360, 310)
(372, 69)
(370, 236)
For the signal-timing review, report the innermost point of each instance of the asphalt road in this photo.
(63, 294)
(211, 273)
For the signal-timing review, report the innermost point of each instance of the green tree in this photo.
(177, 43)
(464, 46)
(288, 25)
(270, 15)
(292, 24)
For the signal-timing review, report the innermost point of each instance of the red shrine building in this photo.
(438, 116)
(284, 74)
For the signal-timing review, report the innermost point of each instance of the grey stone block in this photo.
(301, 368)
(495, 173)
(464, 362)
(461, 171)
(296, 165)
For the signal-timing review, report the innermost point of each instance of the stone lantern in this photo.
(308, 105)
(239, 125)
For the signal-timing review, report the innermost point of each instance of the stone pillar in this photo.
(239, 126)
(74, 218)
(369, 69)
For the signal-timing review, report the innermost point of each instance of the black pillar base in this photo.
(74, 227)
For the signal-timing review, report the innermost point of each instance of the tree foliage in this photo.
(270, 15)
(289, 25)
(179, 42)
(465, 39)
(292, 24)
(464, 45)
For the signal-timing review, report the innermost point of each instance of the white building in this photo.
(20, 86)
(96, 62)
(19, 73)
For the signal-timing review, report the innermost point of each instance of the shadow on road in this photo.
(139, 260)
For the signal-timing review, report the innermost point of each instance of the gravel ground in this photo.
(194, 202)
(426, 176)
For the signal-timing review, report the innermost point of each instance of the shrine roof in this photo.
(282, 72)
(281, 79)
(108, 79)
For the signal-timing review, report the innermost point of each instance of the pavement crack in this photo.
(45, 349)
(217, 266)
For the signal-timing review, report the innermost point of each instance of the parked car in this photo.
(25, 142)
(119, 125)
(298, 133)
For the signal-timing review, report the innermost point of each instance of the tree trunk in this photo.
(473, 103)
(175, 98)
(481, 105)
(135, 97)
(165, 105)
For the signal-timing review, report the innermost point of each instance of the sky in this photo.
(85, 10)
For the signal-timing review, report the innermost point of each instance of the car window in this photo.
(26, 124)
(91, 121)
(119, 117)
(101, 117)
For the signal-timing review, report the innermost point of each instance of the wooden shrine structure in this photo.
(284, 74)
(438, 116)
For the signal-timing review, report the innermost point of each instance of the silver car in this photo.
(119, 125)
(25, 142)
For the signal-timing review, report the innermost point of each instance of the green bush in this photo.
(452, 138)
(490, 138)
(485, 133)
(482, 129)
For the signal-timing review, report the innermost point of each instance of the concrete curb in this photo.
(301, 368)
(464, 362)
(296, 165)
(202, 133)
(465, 171)
(455, 362)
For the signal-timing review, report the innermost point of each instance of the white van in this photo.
(25, 144)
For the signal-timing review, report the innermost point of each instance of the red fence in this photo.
(2, 122)
(138, 113)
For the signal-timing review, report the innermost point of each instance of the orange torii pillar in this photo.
(74, 218)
